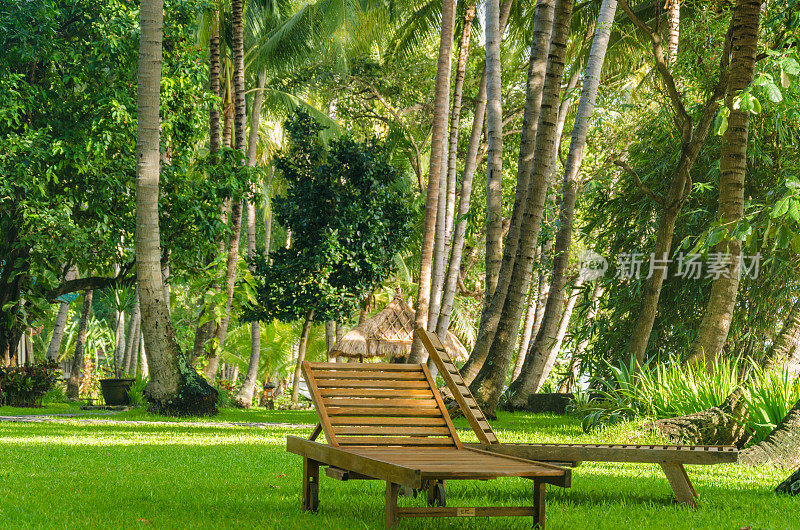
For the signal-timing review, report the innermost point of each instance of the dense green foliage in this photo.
(25, 386)
(348, 213)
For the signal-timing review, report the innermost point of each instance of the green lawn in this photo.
(189, 476)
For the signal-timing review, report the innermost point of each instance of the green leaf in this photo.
(773, 92)
(794, 209)
(790, 65)
(796, 243)
(720, 125)
(780, 208)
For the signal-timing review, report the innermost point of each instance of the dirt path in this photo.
(72, 418)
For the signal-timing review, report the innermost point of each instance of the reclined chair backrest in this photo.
(379, 404)
(459, 389)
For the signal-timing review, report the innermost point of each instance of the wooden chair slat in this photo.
(371, 383)
(378, 402)
(396, 440)
(460, 391)
(383, 411)
(387, 420)
(401, 393)
(360, 367)
(371, 375)
(389, 430)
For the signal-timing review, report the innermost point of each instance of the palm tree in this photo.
(488, 384)
(542, 354)
(156, 324)
(537, 68)
(163, 355)
(440, 113)
(716, 322)
(494, 164)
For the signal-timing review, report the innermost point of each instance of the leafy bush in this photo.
(225, 392)
(769, 397)
(136, 391)
(671, 390)
(57, 394)
(25, 386)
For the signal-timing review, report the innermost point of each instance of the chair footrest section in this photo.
(459, 511)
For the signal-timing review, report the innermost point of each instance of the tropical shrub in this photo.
(671, 390)
(769, 396)
(25, 386)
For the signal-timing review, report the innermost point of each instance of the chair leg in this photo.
(539, 502)
(310, 485)
(681, 485)
(392, 490)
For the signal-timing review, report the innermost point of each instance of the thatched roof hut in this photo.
(389, 334)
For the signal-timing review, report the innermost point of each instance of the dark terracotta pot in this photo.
(115, 391)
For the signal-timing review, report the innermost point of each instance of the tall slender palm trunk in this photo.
(488, 384)
(674, 35)
(235, 219)
(76, 372)
(494, 137)
(245, 396)
(174, 387)
(455, 121)
(470, 165)
(536, 81)
(301, 355)
(156, 324)
(542, 355)
(447, 194)
(716, 322)
(441, 107)
(58, 331)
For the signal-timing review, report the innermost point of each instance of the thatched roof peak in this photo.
(389, 334)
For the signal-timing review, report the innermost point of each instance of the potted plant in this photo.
(115, 389)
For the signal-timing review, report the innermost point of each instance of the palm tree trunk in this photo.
(528, 323)
(488, 384)
(156, 323)
(245, 396)
(545, 369)
(235, 220)
(58, 331)
(537, 69)
(213, 81)
(76, 373)
(693, 137)
(540, 356)
(164, 356)
(494, 137)
(132, 335)
(301, 355)
(330, 339)
(441, 107)
(540, 287)
(447, 193)
(119, 342)
(781, 447)
(716, 322)
(470, 165)
(455, 120)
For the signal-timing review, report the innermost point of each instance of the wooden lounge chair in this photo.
(671, 457)
(388, 422)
